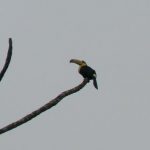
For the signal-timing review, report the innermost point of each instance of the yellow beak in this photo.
(76, 61)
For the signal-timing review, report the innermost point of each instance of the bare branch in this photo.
(8, 59)
(47, 106)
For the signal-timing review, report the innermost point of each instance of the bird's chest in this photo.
(86, 72)
(82, 70)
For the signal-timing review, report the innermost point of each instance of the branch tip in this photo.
(7, 61)
(10, 42)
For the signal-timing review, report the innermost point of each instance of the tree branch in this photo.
(8, 59)
(47, 106)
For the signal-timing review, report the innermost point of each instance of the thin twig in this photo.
(8, 59)
(47, 106)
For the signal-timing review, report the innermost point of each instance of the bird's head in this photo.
(78, 62)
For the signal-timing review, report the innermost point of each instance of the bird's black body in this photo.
(86, 71)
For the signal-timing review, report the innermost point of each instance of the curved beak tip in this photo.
(71, 61)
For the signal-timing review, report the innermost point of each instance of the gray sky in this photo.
(113, 37)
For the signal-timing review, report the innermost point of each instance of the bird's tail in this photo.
(95, 83)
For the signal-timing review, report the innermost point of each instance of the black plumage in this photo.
(86, 71)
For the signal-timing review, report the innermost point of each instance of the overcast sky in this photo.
(112, 37)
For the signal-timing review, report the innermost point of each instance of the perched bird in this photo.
(86, 71)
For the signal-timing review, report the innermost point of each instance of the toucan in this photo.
(86, 71)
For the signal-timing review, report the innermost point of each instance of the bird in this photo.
(86, 71)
